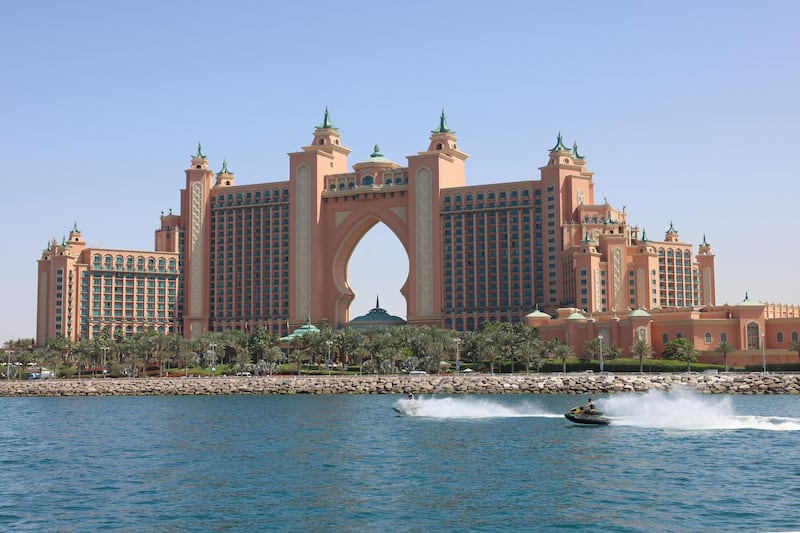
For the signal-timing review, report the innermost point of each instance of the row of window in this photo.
(489, 195)
(250, 197)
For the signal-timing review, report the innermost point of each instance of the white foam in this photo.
(685, 410)
(467, 407)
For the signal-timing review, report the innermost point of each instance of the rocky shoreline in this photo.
(755, 383)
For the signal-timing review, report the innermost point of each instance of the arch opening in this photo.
(378, 268)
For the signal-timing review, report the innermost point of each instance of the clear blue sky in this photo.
(687, 112)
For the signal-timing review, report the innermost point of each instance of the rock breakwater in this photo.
(420, 384)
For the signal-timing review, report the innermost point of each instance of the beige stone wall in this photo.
(399, 384)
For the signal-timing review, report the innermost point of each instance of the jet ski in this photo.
(579, 416)
(406, 407)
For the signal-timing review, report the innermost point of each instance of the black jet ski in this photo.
(579, 416)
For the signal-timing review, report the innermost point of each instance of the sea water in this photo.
(668, 462)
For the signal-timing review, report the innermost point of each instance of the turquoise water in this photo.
(668, 462)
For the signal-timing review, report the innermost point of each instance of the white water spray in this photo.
(468, 407)
(686, 410)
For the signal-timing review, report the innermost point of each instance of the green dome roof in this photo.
(306, 328)
(538, 314)
(376, 317)
(747, 302)
(576, 316)
(377, 157)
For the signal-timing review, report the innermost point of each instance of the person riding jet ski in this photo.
(588, 409)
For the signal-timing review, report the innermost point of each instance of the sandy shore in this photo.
(755, 383)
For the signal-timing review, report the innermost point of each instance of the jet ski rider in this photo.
(588, 409)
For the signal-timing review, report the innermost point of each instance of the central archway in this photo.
(349, 234)
(378, 268)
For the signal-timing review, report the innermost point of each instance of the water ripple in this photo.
(349, 463)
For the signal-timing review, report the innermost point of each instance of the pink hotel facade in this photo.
(540, 251)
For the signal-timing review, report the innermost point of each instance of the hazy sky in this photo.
(687, 112)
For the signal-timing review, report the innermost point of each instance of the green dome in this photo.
(376, 317)
(538, 314)
(305, 329)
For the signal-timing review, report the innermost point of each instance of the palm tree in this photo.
(243, 359)
(591, 348)
(345, 343)
(359, 354)
(261, 344)
(297, 347)
(724, 348)
(61, 345)
(273, 356)
(563, 352)
(53, 359)
(84, 350)
(612, 351)
(641, 349)
(493, 342)
(528, 346)
(188, 358)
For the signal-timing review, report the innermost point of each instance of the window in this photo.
(752, 336)
(708, 339)
(779, 337)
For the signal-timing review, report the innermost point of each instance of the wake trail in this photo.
(467, 408)
(685, 410)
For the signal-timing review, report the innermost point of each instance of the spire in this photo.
(377, 302)
(671, 228)
(326, 122)
(199, 152)
(225, 167)
(442, 125)
(376, 152)
(575, 153)
(76, 230)
(705, 243)
(644, 236)
(559, 144)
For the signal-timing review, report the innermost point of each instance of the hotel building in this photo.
(275, 255)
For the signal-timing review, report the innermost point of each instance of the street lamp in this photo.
(329, 343)
(213, 347)
(600, 338)
(763, 355)
(105, 358)
(458, 354)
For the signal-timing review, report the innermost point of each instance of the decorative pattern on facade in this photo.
(303, 243)
(197, 249)
(423, 183)
(619, 302)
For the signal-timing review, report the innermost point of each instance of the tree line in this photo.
(496, 347)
